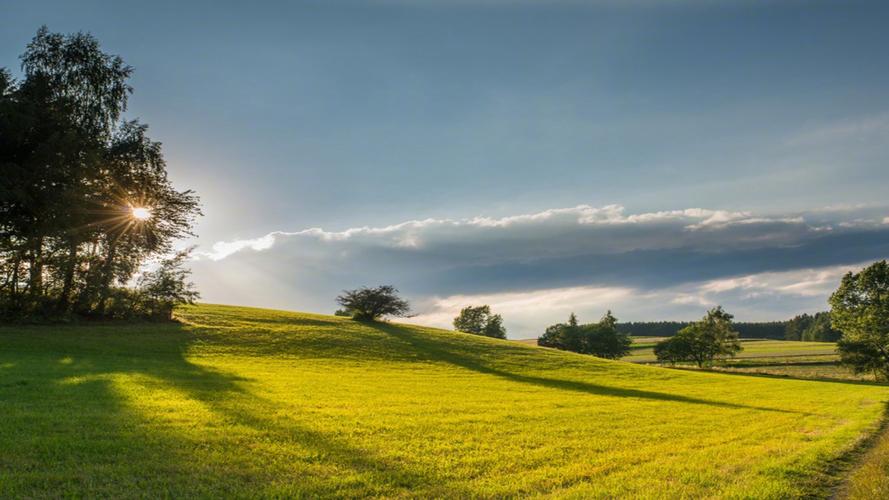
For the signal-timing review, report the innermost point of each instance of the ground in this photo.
(251, 402)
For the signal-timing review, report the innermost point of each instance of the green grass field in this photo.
(811, 360)
(250, 403)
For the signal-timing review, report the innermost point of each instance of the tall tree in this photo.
(72, 173)
(860, 310)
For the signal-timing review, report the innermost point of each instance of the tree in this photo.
(820, 330)
(601, 339)
(370, 304)
(480, 321)
(604, 340)
(72, 172)
(166, 287)
(711, 338)
(796, 326)
(675, 349)
(812, 328)
(860, 310)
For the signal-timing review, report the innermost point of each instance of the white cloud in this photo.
(542, 226)
(527, 307)
(536, 268)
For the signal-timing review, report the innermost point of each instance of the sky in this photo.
(649, 157)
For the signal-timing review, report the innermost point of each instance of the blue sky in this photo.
(342, 115)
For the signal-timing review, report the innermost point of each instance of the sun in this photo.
(140, 213)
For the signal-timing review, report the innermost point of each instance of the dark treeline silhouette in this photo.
(751, 330)
(84, 197)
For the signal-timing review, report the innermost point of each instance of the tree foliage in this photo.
(165, 287)
(702, 342)
(72, 172)
(371, 304)
(480, 321)
(601, 339)
(811, 328)
(860, 310)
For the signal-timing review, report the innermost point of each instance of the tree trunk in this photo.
(65, 297)
(35, 280)
(107, 275)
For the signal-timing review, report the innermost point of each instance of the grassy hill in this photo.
(250, 402)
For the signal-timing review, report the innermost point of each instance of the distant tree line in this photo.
(748, 330)
(809, 327)
(812, 327)
(85, 200)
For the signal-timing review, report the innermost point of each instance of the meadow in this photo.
(786, 358)
(249, 402)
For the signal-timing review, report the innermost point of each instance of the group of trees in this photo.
(84, 197)
(859, 319)
(702, 342)
(480, 321)
(812, 327)
(601, 339)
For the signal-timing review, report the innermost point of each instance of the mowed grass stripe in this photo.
(251, 402)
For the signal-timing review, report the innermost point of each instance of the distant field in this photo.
(240, 402)
(813, 360)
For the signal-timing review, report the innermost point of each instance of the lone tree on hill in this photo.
(703, 341)
(480, 321)
(371, 304)
(600, 339)
(860, 310)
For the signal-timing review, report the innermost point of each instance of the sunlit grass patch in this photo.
(252, 402)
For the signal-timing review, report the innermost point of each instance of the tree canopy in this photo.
(601, 339)
(702, 342)
(860, 310)
(480, 321)
(84, 196)
(371, 304)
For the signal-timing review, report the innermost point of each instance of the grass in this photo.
(786, 358)
(643, 350)
(255, 403)
(871, 478)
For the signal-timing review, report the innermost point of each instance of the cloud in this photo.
(537, 266)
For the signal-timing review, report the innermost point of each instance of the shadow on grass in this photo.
(437, 350)
(832, 380)
(69, 431)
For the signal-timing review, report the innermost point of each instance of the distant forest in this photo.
(803, 327)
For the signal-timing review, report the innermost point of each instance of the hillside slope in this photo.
(251, 402)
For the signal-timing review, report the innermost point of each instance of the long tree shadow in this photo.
(67, 389)
(437, 350)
